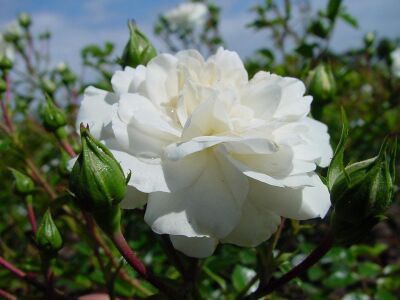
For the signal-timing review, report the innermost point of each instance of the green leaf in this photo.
(241, 276)
(369, 270)
(340, 279)
(337, 166)
(333, 9)
(384, 295)
(349, 19)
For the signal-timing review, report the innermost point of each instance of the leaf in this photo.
(337, 167)
(369, 270)
(333, 9)
(340, 279)
(349, 19)
(241, 276)
(384, 295)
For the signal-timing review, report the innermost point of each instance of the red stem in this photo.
(32, 217)
(6, 116)
(123, 247)
(308, 262)
(7, 295)
(67, 147)
(8, 88)
(21, 274)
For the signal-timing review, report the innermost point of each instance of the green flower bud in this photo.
(5, 63)
(369, 39)
(322, 84)
(23, 183)
(361, 194)
(52, 117)
(98, 182)
(24, 20)
(138, 50)
(48, 238)
(3, 86)
(48, 86)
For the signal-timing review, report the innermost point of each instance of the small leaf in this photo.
(333, 9)
(349, 19)
(337, 166)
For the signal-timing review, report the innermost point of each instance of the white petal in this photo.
(199, 247)
(210, 206)
(151, 175)
(295, 203)
(96, 110)
(133, 198)
(256, 225)
(128, 80)
(230, 66)
(162, 79)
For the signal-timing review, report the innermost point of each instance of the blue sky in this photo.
(75, 23)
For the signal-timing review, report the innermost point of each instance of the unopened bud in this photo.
(3, 86)
(5, 62)
(48, 86)
(52, 117)
(369, 39)
(24, 20)
(361, 194)
(138, 50)
(98, 181)
(322, 84)
(23, 183)
(48, 237)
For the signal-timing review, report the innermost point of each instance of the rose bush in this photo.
(216, 156)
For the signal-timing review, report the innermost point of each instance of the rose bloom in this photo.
(217, 157)
(395, 56)
(188, 15)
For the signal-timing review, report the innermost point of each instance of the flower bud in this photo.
(97, 180)
(24, 20)
(138, 50)
(322, 84)
(5, 63)
(361, 194)
(48, 86)
(48, 238)
(23, 183)
(369, 39)
(3, 86)
(52, 117)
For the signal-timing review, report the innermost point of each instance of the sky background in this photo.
(76, 23)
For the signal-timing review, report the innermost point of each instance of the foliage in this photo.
(365, 87)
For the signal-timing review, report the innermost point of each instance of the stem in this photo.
(101, 243)
(31, 213)
(123, 247)
(40, 179)
(325, 245)
(67, 147)
(21, 274)
(7, 295)
(6, 116)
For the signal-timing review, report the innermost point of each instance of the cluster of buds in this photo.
(361, 192)
(98, 182)
(138, 50)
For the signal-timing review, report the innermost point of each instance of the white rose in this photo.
(395, 56)
(220, 157)
(189, 15)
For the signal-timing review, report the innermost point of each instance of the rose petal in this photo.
(199, 247)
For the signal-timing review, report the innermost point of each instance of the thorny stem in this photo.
(325, 245)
